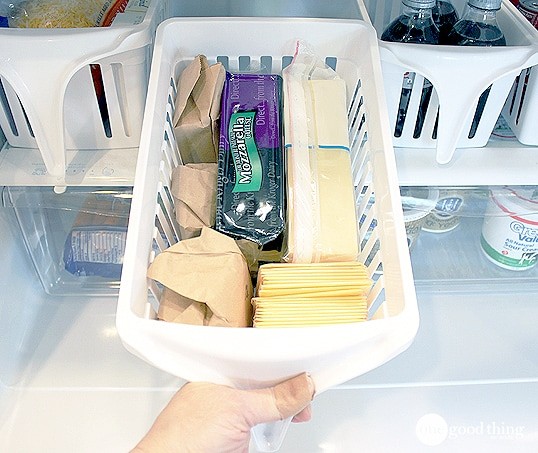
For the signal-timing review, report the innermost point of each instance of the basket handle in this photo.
(41, 91)
(268, 437)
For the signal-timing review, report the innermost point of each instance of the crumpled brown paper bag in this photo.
(197, 109)
(194, 188)
(207, 281)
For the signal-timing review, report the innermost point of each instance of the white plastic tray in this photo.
(459, 75)
(48, 100)
(248, 357)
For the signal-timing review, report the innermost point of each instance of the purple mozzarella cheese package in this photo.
(251, 179)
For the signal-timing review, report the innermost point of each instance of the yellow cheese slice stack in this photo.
(296, 295)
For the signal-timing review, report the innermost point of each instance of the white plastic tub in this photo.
(249, 357)
(510, 231)
(459, 75)
(242, 355)
(47, 96)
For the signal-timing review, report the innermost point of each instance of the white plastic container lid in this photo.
(516, 201)
(417, 202)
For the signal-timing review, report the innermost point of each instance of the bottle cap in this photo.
(486, 4)
(419, 3)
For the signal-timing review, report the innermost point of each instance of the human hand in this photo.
(203, 417)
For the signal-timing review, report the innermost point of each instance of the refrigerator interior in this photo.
(469, 381)
(67, 383)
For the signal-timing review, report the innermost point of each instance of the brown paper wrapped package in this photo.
(194, 189)
(207, 281)
(197, 109)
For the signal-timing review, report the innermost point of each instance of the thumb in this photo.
(282, 401)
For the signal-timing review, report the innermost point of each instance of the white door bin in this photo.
(49, 98)
(459, 76)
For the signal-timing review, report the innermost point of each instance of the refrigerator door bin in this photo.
(459, 75)
(247, 356)
(76, 88)
(76, 239)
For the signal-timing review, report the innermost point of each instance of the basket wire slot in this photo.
(523, 93)
(425, 98)
(165, 217)
(224, 61)
(515, 92)
(7, 121)
(160, 242)
(375, 298)
(118, 76)
(266, 64)
(244, 63)
(152, 305)
(100, 95)
(482, 100)
(286, 61)
(14, 119)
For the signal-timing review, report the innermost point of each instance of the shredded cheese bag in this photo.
(66, 13)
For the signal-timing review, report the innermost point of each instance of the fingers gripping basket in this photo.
(249, 357)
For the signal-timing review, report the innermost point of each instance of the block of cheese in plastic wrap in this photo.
(322, 223)
(250, 185)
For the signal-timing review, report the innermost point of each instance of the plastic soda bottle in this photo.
(415, 25)
(529, 8)
(478, 25)
(444, 16)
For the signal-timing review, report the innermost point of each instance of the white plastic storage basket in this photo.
(48, 99)
(459, 76)
(521, 107)
(249, 357)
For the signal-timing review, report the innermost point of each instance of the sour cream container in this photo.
(510, 229)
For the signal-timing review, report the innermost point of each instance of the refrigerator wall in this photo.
(469, 382)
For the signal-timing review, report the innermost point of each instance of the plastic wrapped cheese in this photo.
(322, 223)
(250, 183)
